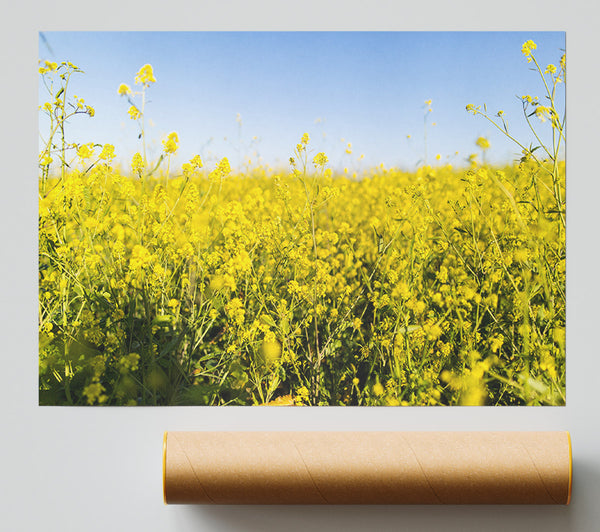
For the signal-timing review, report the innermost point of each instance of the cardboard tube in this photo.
(367, 468)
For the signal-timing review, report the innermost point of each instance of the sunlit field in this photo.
(304, 285)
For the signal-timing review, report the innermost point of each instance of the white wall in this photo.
(99, 469)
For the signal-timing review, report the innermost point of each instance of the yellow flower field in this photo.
(299, 286)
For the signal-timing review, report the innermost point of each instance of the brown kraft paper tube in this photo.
(367, 468)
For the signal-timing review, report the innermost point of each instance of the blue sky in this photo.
(367, 88)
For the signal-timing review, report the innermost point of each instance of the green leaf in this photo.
(267, 320)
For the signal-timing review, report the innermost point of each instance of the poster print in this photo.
(347, 218)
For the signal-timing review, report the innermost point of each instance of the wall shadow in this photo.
(382, 518)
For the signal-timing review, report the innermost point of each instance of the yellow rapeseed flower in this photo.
(483, 143)
(49, 67)
(171, 143)
(543, 112)
(108, 152)
(94, 393)
(378, 389)
(134, 112)
(85, 151)
(526, 49)
(270, 350)
(137, 163)
(223, 167)
(196, 161)
(320, 159)
(145, 76)
(124, 89)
